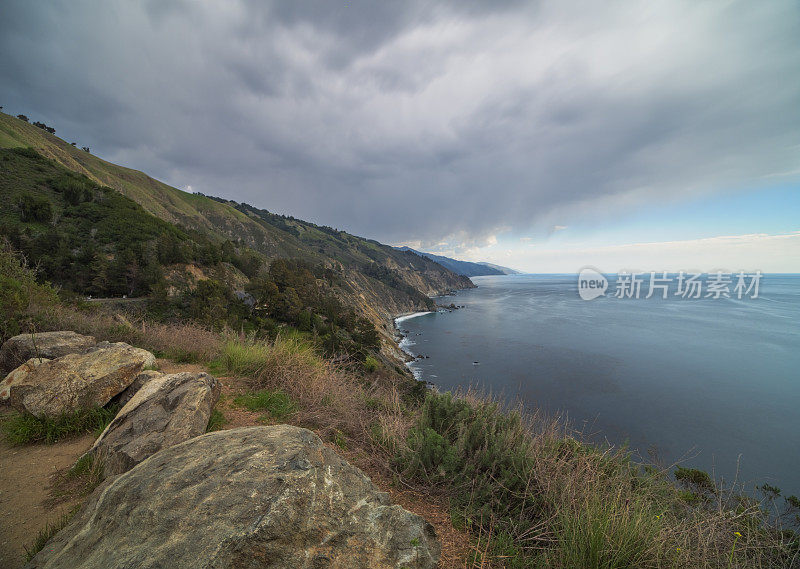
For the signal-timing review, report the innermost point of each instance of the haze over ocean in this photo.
(709, 379)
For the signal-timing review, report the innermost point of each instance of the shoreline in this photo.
(404, 343)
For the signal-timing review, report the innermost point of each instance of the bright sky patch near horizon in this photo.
(545, 136)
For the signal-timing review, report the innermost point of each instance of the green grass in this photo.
(611, 534)
(216, 421)
(24, 428)
(277, 403)
(249, 358)
(48, 532)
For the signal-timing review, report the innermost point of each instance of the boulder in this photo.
(267, 497)
(138, 382)
(50, 345)
(79, 381)
(167, 410)
(18, 375)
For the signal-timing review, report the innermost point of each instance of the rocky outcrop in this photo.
(18, 349)
(165, 411)
(79, 381)
(253, 497)
(18, 376)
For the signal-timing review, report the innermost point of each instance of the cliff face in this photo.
(377, 280)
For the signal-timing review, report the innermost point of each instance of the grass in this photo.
(184, 342)
(216, 421)
(535, 496)
(266, 361)
(24, 428)
(79, 481)
(277, 403)
(530, 492)
(48, 532)
(336, 403)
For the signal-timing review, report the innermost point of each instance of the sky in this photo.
(545, 136)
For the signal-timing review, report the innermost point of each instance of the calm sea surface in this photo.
(715, 380)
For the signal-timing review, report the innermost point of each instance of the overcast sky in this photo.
(530, 133)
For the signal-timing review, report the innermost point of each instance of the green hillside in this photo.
(95, 228)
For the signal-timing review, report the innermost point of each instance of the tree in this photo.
(22, 118)
(209, 302)
(99, 272)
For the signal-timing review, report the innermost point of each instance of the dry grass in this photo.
(182, 342)
(332, 401)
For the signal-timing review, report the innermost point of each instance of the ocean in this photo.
(712, 382)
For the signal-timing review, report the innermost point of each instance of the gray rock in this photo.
(17, 350)
(165, 411)
(138, 382)
(269, 497)
(79, 381)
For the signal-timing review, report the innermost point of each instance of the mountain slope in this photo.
(464, 268)
(502, 269)
(374, 279)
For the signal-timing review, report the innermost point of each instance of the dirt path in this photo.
(25, 474)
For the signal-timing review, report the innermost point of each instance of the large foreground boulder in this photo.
(266, 497)
(19, 349)
(165, 411)
(79, 381)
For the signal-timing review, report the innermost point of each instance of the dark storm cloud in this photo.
(419, 120)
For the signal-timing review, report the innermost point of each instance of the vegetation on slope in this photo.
(397, 281)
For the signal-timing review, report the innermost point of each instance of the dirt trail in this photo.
(25, 474)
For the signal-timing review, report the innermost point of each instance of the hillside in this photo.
(375, 280)
(464, 268)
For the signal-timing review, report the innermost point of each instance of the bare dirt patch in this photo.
(25, 478)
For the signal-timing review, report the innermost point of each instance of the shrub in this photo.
(36, 209)
(693, 479)
(371, 364)
(537, 497)
(19, 292)
(476, 449)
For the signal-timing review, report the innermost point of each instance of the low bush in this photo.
(537, 497)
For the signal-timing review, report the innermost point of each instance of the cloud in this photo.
(406, 121)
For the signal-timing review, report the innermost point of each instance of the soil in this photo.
(25, 502)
